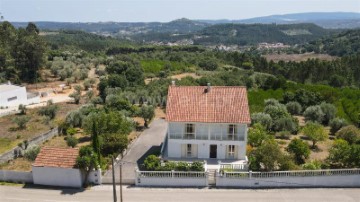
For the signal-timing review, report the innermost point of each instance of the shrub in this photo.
(299, 149)
(197, 166)
(49, 110)
(22, 109)
(313, 165)
(276, 111)
(336, 124)
(286, 124)
(294, 108)
(263, 119)
(151, 162)
(329, 111)
(32, 153)
(284, 135)
(271, 101)
(71, 131)
(71, 141)
(76, 96)
(21, 121)
(314, 113)
(349, 133)
(182, 166)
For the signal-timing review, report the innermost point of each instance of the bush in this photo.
(151, 162)
(32, 153)
(271, 101)
(284, 135)
(299, 149)
(182, 166)
(21, 121)
(286, 124)
(71, 131)
(22, 109)
(336, 124)
(329, 111)
(313, 165)
(294, 108)
(314, 113)
(49, 110)
(349, 133)
(263, 119)
(197, 166)
(76, 96)
(71, 141)
(276, 111)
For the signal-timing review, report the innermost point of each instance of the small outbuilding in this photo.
(57, 167)
(14, 95)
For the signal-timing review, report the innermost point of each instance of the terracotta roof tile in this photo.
(222, 104)
(57, 157)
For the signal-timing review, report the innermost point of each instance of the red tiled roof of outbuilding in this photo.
(56, 157)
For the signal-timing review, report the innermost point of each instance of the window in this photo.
(231, 151)
(188, 150)
(232, 130)
(12, 99)
(190, 131)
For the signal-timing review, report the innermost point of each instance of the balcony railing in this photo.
(205, 137)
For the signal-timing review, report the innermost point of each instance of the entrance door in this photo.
(213, 151)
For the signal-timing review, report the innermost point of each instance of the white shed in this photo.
(14, 95)
(57, 167)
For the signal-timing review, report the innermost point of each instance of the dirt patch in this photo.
(301, 120)
(298, 57)
(19, 164)
(176, 76)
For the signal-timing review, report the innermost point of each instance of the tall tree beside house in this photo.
(87, 160)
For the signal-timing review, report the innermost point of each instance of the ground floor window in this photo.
(231, 151)
(188, 150)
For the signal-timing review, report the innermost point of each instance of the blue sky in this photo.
(161, 10)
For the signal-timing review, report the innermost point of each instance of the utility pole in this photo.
(113, 179)
(121, 195)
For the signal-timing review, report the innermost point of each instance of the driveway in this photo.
(148, 142)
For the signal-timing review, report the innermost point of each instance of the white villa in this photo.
(207, 122)
(14, 95)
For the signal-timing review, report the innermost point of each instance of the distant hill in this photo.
(124, 28)
(242, 34)
(334, 20)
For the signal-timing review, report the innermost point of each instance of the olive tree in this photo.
(315, 132)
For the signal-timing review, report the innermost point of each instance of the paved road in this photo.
(148, 141)
(104, 193)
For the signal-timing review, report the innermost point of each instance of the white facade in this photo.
(207, 140)
(13, 95)
(53, 176)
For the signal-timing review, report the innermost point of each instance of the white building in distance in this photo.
(207, 122)
(14, 95)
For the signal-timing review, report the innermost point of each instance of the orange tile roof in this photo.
(223, 104)
(56, 157)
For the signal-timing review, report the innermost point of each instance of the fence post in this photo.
(250, 174)
(172, 173)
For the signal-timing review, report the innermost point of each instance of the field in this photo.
(298, 57)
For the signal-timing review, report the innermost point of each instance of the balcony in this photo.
(236, 137)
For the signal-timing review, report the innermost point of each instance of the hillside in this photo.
(242, 34)
(341, 44)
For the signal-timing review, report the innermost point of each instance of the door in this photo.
(213, 151)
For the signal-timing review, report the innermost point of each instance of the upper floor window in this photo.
(190, 131)
(232, 129)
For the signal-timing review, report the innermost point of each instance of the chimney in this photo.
(208, 88)
(173, 83)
